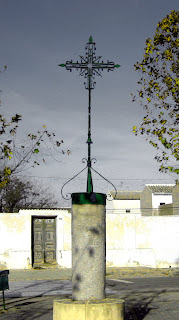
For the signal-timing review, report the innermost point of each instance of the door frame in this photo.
(32, 234)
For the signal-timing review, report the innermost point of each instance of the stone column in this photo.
(88, 246)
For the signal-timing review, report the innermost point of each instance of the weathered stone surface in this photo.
(88, 251)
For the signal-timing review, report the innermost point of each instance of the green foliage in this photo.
(6, 145)
(159, 92)
(36, 151)
(14, 156)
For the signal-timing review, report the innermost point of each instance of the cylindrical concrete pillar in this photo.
(88, 246)
(106, 309)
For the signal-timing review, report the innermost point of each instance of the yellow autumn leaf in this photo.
(7, 171)
(2, 184)
(177, 81)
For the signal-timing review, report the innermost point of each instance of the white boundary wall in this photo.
(131, 239)
(16, 238)
(135, 240)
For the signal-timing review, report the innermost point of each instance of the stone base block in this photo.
(105, 309)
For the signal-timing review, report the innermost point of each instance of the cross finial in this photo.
(89, 67)
(90, 39)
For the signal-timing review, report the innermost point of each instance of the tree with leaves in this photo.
(158, 93)
(16, 155)
(23, 193)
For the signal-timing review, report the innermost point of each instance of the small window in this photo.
(128, 211)
(161, 203)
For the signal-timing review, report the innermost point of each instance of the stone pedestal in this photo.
(88, 264)
(106, 309)
(88, 246)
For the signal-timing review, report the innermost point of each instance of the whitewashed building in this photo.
(134, 236)
(124, 202)
(155, 199)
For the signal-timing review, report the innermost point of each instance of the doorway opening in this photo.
(43, 242)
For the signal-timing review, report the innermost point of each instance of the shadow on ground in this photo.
(33, 308)
(137, 308)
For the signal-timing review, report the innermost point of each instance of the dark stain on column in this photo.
(76, 287)
(76, 250)
(94, 230)
(78, 277)
(91, 252)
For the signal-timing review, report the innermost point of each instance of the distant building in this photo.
(162, 199)
(124, 202)
(154, 200)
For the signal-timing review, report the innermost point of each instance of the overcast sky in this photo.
(38, 35)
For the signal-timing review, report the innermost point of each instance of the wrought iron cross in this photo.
(89, 67)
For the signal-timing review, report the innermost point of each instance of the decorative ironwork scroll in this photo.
(89, 67)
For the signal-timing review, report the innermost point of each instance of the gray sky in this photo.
(36, 36)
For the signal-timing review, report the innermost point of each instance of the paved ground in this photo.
(32, 293)
(65, 273)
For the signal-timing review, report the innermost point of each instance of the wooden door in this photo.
(44, 240)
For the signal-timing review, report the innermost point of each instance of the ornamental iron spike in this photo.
(90, 39)
(89, 67)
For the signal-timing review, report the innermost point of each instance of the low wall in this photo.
(135, 240)
(131, 239)
(16, 238)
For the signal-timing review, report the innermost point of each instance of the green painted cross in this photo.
(90, 66)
